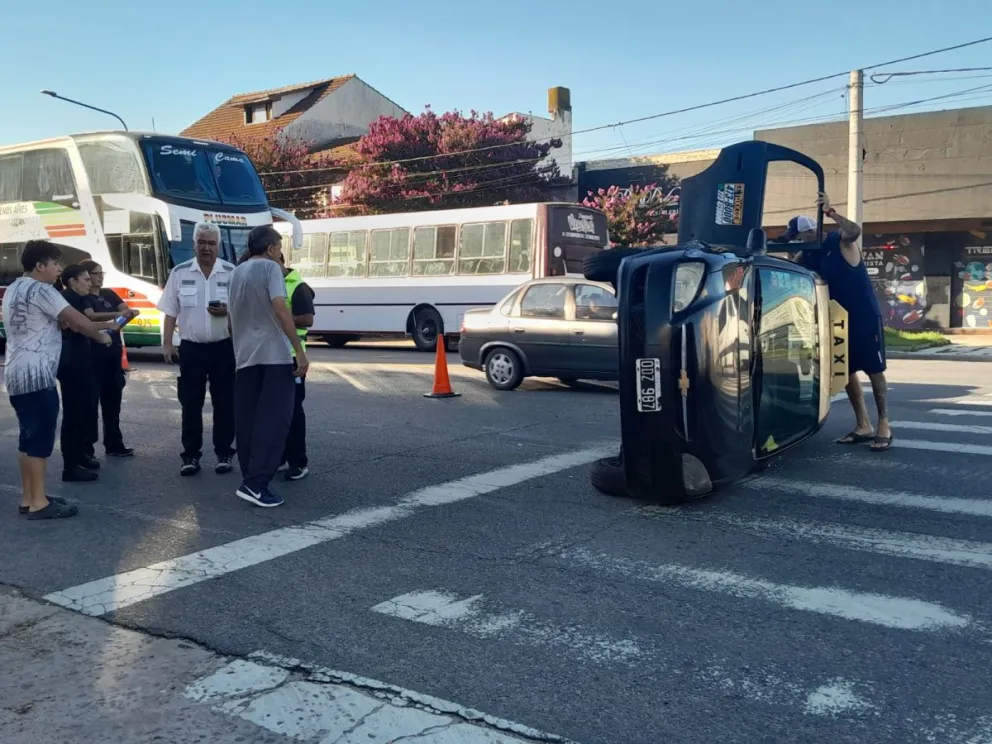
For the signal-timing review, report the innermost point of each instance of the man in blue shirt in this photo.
(842, 267)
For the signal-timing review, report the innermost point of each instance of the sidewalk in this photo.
(73, 679)
(961, 349)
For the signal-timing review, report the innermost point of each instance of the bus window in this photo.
(482, 249)
(521, 247)
(47, 177)
(434, 250)
(10, 262)
(112, 167)
(311, 259)
(10, 178)
(346, 254)
(390, 255)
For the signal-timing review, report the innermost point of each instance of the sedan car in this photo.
(562, 327)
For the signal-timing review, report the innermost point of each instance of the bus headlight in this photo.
(688, 278)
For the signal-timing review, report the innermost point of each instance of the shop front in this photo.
(895, 265)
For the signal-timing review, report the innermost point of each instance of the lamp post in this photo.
(53, 94)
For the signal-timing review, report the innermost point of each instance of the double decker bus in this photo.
(128, 200)
(416, 273)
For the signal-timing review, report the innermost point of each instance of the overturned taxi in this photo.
(728, 356)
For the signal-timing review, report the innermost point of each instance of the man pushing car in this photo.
(841, 264)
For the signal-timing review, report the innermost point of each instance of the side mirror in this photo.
(757, 242)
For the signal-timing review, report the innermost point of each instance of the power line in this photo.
(673, 112)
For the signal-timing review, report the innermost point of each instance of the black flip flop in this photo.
(54, 499)
(885, 442)
(854, 438)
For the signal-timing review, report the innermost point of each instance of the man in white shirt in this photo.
(33, 311)
(195, 297)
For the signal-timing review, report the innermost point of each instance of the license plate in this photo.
(648, 385)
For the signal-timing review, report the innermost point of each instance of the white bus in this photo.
(417, 273)
(128, 200)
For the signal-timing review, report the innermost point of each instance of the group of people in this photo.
(242, 331)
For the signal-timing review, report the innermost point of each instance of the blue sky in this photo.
(174, 62)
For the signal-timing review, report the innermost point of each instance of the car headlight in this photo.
(688, 277)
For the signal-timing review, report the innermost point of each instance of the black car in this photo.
(727, 356)
(562, 327)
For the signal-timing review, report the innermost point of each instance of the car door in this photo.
(540, 329)
(592, 334)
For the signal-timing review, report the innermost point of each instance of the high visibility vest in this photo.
(294, 280)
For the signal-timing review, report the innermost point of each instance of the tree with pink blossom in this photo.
(295, 179)
(449, 161)
(637, 216)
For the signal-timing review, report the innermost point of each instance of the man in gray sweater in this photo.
(264, 341)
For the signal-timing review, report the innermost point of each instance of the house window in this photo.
(256, 113)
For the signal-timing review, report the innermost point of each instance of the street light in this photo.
(53, 94)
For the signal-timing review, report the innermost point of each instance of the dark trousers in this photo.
(200, 366)
(295, 453)
(79, 412)
(263, 413)
(108, 376)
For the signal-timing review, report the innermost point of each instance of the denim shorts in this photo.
(38, 417)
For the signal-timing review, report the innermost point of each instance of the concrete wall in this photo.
(930, 166)
(344, 114)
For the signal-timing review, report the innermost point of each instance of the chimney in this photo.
(559, 101)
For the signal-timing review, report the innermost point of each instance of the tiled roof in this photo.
(229, 118)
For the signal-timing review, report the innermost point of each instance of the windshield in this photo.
(185, 170)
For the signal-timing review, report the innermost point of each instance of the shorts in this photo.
(38, 417)
(866, 347)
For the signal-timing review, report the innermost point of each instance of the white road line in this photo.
(716, 676)
(345, 376)
(944, 504)
(876, 609)
(958, 448)
(958, 412)
(936, 426)
(116, 592)
(924, 547)
(445, 610)
(349, 709)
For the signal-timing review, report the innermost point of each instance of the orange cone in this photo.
(125, 364)
(442, 385)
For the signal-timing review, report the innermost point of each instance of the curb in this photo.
(933, 356)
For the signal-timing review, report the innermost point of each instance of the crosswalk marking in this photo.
(122, 590)
(957, 448)
(877, 497)
(937, 426)
(875, 609)
(958, 412)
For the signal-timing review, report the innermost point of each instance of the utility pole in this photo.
(855, 158)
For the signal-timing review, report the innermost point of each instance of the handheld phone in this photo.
(121, 321)
(215, 303)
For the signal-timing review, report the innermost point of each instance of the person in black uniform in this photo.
(104, 305)
(77, 383)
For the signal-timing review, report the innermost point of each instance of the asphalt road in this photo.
(841, 596)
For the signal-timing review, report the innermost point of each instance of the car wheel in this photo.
(602, 266)
(504, 369)
(607, 476)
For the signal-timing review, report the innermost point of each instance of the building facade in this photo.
(927, 206)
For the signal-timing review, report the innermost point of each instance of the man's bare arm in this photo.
(849, 231)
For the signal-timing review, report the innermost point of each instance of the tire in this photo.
(607, 476)
(603, 265)
(426, 328)
(504, 369)
(336, 342)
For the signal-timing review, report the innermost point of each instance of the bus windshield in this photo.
(201, 173)
(573, 234)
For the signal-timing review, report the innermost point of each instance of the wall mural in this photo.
(973, 286)
(895, 267)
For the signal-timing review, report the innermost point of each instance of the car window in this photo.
(594, 303)
(789, 402)
(507, 307)
(544, 301)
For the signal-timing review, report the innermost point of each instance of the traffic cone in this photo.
(125, 364)
(442, 385)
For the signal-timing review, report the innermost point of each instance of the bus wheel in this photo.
(335, 342)
(426, 327)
